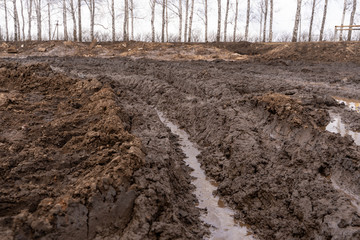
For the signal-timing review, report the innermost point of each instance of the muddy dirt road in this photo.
(260, 127)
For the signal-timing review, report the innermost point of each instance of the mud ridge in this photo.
(72, 168)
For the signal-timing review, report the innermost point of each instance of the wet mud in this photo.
(260, 128)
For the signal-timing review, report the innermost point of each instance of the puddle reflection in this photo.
(337, 126)
(218, 215)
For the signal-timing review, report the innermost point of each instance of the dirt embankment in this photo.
(71, 167)
(262, 133)
(239, 51)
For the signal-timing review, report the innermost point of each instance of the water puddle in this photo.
(353, 104)
(217, 215)
(337, 126)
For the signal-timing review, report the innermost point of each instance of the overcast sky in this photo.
(284, 14)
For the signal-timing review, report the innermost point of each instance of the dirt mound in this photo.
(70, 169)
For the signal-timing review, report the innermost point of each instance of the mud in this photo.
(260, 126)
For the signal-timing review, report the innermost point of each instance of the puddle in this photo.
(337, 126)
(353, 104)
(218, 215)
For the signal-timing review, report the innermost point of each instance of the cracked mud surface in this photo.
(260, 127)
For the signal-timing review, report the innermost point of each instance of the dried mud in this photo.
(260, 126)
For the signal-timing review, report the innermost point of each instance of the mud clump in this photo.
(69, 165)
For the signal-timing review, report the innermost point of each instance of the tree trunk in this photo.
(64, 21)
(247, 20)
(126, 20)
(352, 19)
(191, 20)
(236, 19)
(342, 20)
(74, 19)
(79, 13)
(153, 3)
(180, 20)
(186, 19)
(29, 18)
(265, 19)
(132, 18)
(297, 20)
(163, 22)
(271, 20)
(113, 19)
(38, 19)
(167, 21)
(49, 20)
(206, 21)
(6, 21)
(323, 21)
(226, 19)
(312, 19)
(92, 19)
(219, 22)
(23, 20)
(15, 21)
(261, 20)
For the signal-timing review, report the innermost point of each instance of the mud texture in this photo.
(259, 122)
(261, 127)
(71, 167)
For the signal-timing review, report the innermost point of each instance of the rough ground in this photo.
(260, 122)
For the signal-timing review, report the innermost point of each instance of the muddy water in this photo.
(217, 214)
(353, 104)
(337, 126)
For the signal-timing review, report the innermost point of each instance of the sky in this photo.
(284, 15)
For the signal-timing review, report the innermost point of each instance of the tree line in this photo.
(39, 12)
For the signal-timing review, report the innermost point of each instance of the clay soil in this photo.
(84, 154)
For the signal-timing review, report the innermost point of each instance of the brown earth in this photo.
(69, 149)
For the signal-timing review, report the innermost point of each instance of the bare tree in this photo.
(247, 20)
(186, 19)
(65, 21)
(132, 7)
(312, 19)
(6, 21)
(219, 22)
(323, 21)
(163, 21)
(191, 20)
(72, 12)
(236, 19)
(271, 20)
(29, 10)
(92, 7)
(152, 5)
(226, 19)
(206, 22)
(16, 21)
(113, 19)
(126, 21)
(265, 19)
(38, 5)
(49, 19)
(180, 20)
(346, 5)
(23, 20)
(297, 20)
(352, 19)
(79, 19)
